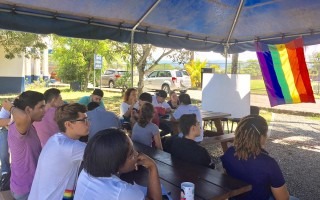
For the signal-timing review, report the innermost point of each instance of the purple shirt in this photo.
(262, 172)
(25, 151)
(47, 127)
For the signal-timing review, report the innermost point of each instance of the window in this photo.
(185, 73)
(178, 73)
(153, 74)
(109, 72)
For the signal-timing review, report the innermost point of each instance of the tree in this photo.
(21, 43)
(251, 67)
(234, 63)
(75, 57)
(145, 61)
(194, 70)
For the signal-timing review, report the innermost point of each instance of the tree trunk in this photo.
(140, 82)
(191, 56)
(86, 81)
(234, 63)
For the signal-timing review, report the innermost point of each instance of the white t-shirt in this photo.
(57, 169)
(190, 109)
(124, 107)
(155, 103)
(111, 188)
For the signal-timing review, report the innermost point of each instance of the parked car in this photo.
(168, 80)
(110, 76)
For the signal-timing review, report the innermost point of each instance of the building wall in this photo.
(12, 74)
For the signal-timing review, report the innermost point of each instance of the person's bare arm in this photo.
(157, 141)
(280, 193)
(22, 120)
(4, 122)
(154, 188)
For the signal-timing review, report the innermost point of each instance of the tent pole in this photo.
(226, 58)
(132, 34)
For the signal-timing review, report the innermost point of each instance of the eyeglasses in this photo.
(85, 120)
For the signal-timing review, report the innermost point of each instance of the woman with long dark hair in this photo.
(144, 131)
(108, 154)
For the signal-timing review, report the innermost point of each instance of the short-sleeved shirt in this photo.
(155, 103)
(189, 151)
(190, 109)
(25, 150)
(111, 188)
(144, 135)
(47, 127)
(86, 100)
(262, 172)
(57, 168)
(101, 119)
(124, 107)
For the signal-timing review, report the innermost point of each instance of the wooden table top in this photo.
(209, 183)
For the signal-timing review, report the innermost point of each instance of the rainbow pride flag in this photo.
(285, 72)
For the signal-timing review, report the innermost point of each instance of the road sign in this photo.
(97, 61)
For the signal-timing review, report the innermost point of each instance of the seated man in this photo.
(186, 148)
(186, 107)
(162, 107)
(60, 159)
(96, 96)
(159, 102)
(100, 119)
(47, 127)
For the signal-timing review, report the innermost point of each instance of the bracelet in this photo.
(12, 109)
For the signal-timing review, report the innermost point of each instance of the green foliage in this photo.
(163, 67)
(194, 69)
(75, 58)
(216, 68)
(21, 43)
(124, 81)
(251, 67)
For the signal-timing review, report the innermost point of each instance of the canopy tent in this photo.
(198, 25)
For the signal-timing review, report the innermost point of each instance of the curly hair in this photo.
(146, 114)
(127, 94)
(248, 135)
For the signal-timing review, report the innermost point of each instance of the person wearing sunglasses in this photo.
(60, 158)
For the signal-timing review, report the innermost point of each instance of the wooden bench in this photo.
(6, 195)
(223, 139)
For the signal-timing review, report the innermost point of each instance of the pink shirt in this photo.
(47, 127)
(25, 151)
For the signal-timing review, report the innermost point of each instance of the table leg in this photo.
(218, 124)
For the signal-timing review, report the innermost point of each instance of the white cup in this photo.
(187, 191)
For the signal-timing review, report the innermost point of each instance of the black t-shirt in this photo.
(172, 107)
(189, 151)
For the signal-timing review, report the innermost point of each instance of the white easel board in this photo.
(228, 93)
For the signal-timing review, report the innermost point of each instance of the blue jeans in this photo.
(4, 151)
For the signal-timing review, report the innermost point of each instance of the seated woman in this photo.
(186, 148)
(249, 162)
(144, 131)
(108, 154)
(128, 105)
(174, 101)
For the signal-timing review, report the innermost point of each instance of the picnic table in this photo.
(209, 183)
